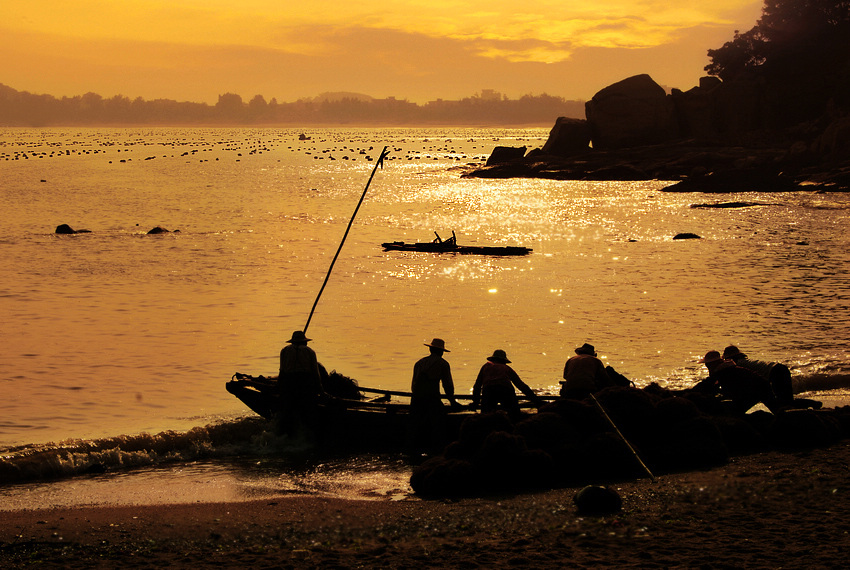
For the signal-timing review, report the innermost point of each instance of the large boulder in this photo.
(720, 136)
(598, 500)
(65, 229)
(694, 110)
(633, 112)
(161, 230)
(569, 136)
(503, 154)
(720, 111)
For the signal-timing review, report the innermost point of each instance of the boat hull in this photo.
(445, 247)
(349, 424)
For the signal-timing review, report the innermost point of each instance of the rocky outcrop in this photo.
(736, 180)
(716, 137)
(161, 230)
(65, 229)
(725, 205)
(568, 137)
(633, 112)
(637, 112)
(676, 161)
(503, 154)
(694, 110)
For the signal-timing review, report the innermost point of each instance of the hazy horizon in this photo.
(193, 50)
(24, 109)
(483, 94)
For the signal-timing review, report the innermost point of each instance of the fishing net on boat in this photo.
(341, 386)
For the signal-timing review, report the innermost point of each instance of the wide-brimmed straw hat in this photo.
(586, 349)
(438, 343)
(499, 356)
(711, 356)
(732, 352)
(299, 336)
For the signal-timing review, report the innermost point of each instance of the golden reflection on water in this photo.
(116, 328)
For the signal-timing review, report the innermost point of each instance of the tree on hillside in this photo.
(789, 33)
(799, 52)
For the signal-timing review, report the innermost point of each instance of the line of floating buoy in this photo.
(324, 147)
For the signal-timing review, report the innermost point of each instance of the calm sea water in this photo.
(116, 333)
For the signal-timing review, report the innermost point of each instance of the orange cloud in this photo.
(197, 49)
(274, 24)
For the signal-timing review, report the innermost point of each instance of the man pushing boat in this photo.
(426, 409)
(299, 384)
(494, 387)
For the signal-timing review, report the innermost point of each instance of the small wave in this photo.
(821, 382)
(247, 436)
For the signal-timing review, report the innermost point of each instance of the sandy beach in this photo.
(770, 510)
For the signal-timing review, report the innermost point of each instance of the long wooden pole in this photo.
(629, 445)
(379, 163)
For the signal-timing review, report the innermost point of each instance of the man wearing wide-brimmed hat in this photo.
(584, 374)
(495, 384)
(426, 407)
(744, 388)
(299, 359)
(299, 381)
(776, 373)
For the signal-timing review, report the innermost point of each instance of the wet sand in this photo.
(771, 510)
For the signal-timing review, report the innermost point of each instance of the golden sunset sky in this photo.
(195, 50)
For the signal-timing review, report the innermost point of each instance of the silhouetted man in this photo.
(495, 384)
(584, 374)
(426, 409)
(743, 387)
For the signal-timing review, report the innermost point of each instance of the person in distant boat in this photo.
(494, 387)
(426, 407)
(299, 381)
(777, 374)
(449, 242)
(584, 374)
(742, 386)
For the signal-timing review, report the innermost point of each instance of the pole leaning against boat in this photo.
(379, 163)
(623, 438)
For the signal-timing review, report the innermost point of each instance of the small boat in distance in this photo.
(450, 245)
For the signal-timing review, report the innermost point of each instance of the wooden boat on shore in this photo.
(369, 418)
(450, 246)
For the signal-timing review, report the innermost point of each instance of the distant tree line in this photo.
(20, 108)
